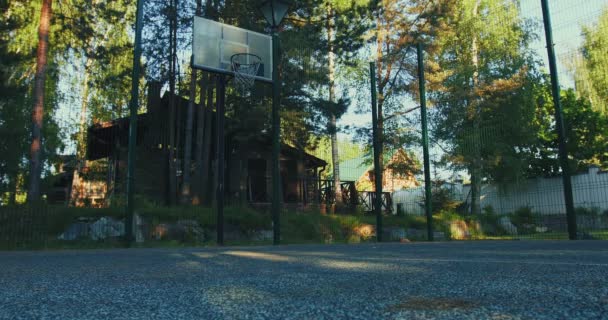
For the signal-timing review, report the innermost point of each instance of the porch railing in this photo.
(315, 191)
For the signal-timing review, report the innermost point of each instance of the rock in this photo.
(107, 227)
(406, 240)
(365, 231)
(459, 230)
(506, 224)
(182, 230)
(138, 227)
(192, 230)
(75, 231)
(393, 234)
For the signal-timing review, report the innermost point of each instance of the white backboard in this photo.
(213, 43)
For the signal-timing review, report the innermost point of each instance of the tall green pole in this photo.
(220, 157)
(276, 138)
(425, 146)
(377, 148)
(559, 123)
(134, 106)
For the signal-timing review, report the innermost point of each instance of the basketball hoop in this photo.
(245, 67)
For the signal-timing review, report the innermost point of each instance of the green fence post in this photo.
(425, 146)
(559, 124)
(377, 147)
(134, 106)
(220, 156)
(276, 139)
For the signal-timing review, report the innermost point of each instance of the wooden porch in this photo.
(309, 191)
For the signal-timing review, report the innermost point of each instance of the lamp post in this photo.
(134, 105)
(274, 11)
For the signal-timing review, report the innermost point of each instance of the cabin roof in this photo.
(105, 137)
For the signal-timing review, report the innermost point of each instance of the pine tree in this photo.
(38, 108)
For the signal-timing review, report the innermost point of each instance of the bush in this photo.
(442, 199)
(141, 202)
(490, 223)
(204, 216)
(312, 227)
(583, 211)
(51, 221)
(523, 219)
(244, 218)
(60, 218)
(443, 221)
(488, 210)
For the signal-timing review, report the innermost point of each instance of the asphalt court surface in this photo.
(451, 280)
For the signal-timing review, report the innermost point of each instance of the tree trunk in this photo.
(172, 148)
(188, 140)
(199, 8)
(82, 139)
(333, 129)
(207, 154)
(179, 156)
(476, 173)
(380, 96)
(13, 188)
(200, 136)
(38, 109)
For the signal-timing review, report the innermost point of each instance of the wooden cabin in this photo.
(248, 155)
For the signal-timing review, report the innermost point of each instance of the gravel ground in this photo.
(457, 280)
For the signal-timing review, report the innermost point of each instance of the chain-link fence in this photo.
(497, 172)
(494, 160)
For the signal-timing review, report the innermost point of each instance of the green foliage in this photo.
(523, 218)
(311, 226)
(590, 212)
(586, 132)
(490, 224)
(321, 149)
(18, 42)
(60, 218)
(482, 88)
(590, 69)
(404, 164)
(243, 218)
(442, 198)
(49, 220)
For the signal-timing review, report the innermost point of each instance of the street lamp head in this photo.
(274, 11)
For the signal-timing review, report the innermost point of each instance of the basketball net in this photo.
(245, 67)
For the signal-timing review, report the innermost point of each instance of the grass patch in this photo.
(37, 227)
